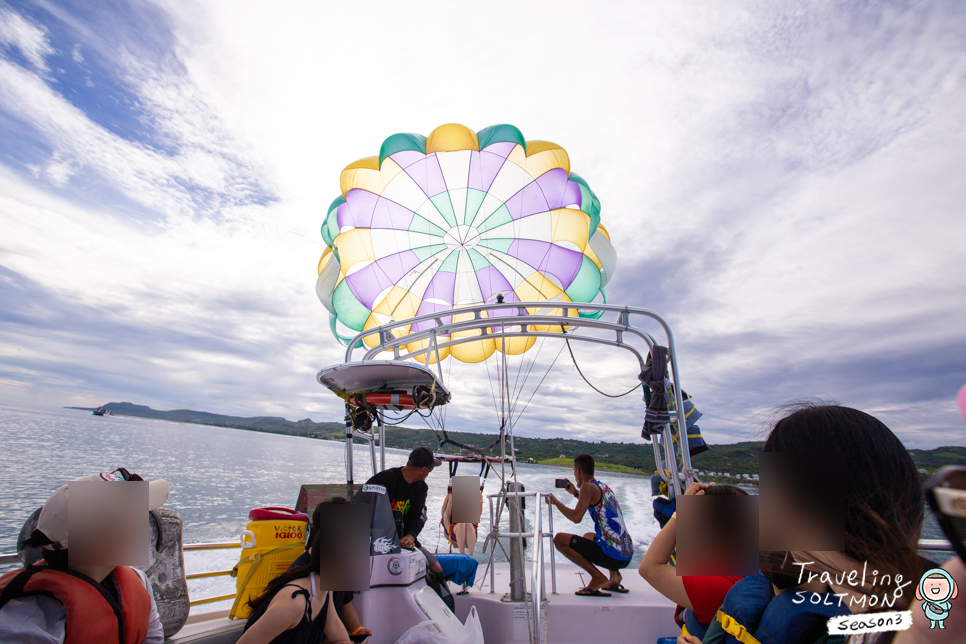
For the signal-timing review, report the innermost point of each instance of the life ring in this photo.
(397, 400)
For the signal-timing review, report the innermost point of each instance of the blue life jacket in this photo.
(753, 614)
(694, 626)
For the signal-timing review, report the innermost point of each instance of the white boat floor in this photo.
(640, 615)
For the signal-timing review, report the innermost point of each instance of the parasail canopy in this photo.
(459, 218)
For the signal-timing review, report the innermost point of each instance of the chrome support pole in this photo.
(348, 448)
(372, 454)
(382, 442)
(553, 562)
(674, 485)
(536, 577)
(492, 549)
(518, 584)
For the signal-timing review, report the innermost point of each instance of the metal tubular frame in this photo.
(538, 523)
(382, 338)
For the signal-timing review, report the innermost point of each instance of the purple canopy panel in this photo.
(491, 282)
(501, 149)
(548, 258)
(554, 187)
(528, 201)
(441, 287)
(368, 283)
(484, 166)
(357, 209)
(406, 158)
(427, 175)
(389, 214)
(573, 194)
(427, 308)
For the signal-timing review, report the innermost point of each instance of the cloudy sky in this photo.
(785, 182)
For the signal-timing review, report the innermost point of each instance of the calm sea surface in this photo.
(218, 474)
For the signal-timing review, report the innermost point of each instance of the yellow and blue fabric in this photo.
(454, 219)
(753, 614)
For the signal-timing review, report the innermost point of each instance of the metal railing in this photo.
(538, 590)
(14, 559)
(476, 325)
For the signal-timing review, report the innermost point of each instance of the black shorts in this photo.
(590, 551)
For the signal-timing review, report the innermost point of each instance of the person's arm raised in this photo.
(655, 568)
(658, 572)
(584, 500)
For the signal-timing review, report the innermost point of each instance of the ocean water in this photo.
(218, 474)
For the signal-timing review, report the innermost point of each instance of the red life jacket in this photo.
(92, 613)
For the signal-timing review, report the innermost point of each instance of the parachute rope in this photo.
(602, 393)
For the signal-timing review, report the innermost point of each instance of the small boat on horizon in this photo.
(102, 411)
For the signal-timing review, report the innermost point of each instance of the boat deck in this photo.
(641, 615)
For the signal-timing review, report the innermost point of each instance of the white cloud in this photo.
(783, 184)
(30, 39)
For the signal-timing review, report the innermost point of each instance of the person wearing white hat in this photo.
(58, 600)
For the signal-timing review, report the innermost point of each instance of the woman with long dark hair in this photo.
(294, 609)
(870, 501)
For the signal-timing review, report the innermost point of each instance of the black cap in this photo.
(423, 457)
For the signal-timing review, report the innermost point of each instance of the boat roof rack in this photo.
(352, 378)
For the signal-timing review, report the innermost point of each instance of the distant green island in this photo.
(736, 462)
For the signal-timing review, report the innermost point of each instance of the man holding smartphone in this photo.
(609, 546)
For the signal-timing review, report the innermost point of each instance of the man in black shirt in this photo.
(407, 491)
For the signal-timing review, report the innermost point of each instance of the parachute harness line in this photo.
(602, 393)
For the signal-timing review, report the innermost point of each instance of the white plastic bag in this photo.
(428, 632)
(425, 633)
(472, 632)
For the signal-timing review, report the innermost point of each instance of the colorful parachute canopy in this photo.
(454, 219)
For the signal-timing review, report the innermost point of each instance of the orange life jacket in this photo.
(92, 613)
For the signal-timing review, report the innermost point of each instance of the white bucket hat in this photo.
(52, 521)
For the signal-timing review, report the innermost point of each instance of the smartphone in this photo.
(358, 639)
(561, 483)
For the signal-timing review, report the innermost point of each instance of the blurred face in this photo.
(343, 542)
(800, 505)
(716, 535)
(466, 499)
(107, 523)
(579, 477)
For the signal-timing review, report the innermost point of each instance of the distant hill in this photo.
(734, 459)
(271, 424)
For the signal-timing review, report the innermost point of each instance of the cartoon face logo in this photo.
(936, 589)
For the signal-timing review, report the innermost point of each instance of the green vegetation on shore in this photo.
(599, 466)
(727, 462)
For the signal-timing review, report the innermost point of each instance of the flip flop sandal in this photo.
(617, 589)
(591, 592)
